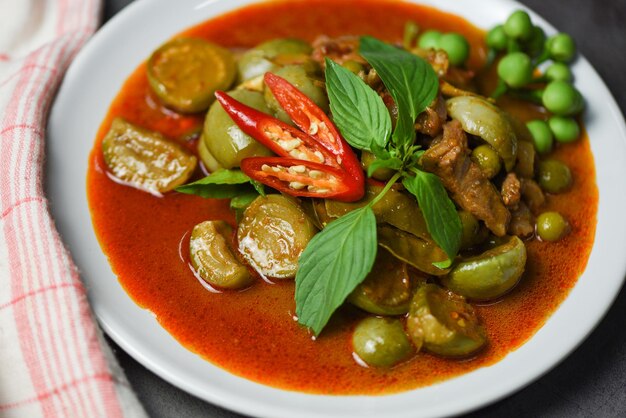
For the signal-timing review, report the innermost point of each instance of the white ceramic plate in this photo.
(91, 84)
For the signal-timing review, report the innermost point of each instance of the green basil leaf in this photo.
(443, 264)
(380, 152)
(392, 163)
(259, 187)
(417, 154)
(411, 81)
(333, 264)
(358, 112)
(442, 219)
(240, 203)
(243, 201)
(405, 130)
(222, 184)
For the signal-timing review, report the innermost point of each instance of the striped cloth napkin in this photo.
(53, 360)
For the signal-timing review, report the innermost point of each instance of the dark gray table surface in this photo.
(591, 382)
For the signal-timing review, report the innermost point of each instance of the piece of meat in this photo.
(533, 195)
(449, 158)
(522, 222)
(431, 120)
(511, 191)
(340, 49)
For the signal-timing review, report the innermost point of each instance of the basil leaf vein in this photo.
(334, 262)
(222, 184)
(442, 219)
(358, 112)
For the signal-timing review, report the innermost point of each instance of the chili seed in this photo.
(297, 169)
(319, 156)
(290, 145)
(297, 185)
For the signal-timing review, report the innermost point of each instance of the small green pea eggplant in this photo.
(491, 274)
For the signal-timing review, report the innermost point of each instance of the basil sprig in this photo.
(339, 258)
(411, 81)
(226, 184)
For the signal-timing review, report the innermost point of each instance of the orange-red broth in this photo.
(253, 333)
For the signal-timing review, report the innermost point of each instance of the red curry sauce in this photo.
(253, 333)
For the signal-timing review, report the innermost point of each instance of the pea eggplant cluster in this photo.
(522, 49)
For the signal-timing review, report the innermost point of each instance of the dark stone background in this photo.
(591, 382)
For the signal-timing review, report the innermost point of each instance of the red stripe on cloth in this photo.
(11, 110)
(37, 130)
(73, 306)
(106, 390)
(49, 329)
(4, 57)
(26, 68)
(22, 152)
(20, 298)
(27, 328)
(55, 342)
(18, 281)
(85, 325)
(61, 388)
(32, 168)
(52, 333)
(12, 207)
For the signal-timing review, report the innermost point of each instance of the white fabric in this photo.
(53, 360)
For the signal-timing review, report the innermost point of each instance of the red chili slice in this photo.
(276, 135)
(312, 120)
(303, 178)
(315, 163)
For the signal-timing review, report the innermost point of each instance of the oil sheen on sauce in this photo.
(252, 333)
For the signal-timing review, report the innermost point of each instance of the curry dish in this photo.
(294, 214)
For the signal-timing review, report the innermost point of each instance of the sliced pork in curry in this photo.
(522, 221)
(511, 191)
(431, 120)
(449, 158)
